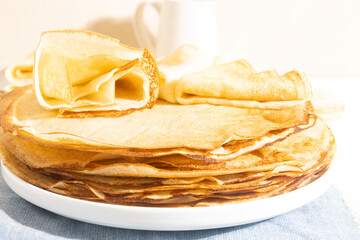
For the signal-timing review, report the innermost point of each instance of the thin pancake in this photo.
(25, 117)
(274, 185)
(79, 71)
(20, 74)
(299, 151)
(187, 76)
(40, 156)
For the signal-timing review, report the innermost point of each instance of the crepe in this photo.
(149, 129)
(189, 77)
(265, 153)
(281, 167)
(327, 106)
(81, 71)
(20, 74)
(38, 156)
(186, 59)
(89, 127)
(299, 150)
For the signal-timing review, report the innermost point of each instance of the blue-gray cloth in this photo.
(325, 218)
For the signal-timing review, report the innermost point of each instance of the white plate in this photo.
(168, 219)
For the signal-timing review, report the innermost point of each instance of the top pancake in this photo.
(162, 127)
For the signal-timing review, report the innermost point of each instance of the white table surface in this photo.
(347, 132)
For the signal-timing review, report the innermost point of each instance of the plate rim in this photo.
(169, 218)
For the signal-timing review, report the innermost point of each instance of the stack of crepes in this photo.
(221, 133)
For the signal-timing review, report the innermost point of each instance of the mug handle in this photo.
(141, 32)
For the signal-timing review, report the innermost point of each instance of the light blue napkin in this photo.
(325, 218)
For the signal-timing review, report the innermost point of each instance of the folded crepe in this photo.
(188, 76)
(187, 60)
(79, 71)
(20, 74)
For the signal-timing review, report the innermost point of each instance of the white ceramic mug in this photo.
(180, 22)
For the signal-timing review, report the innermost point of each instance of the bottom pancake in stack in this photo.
(174, 180)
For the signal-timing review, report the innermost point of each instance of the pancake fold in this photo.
(80, 71)
(188, 76)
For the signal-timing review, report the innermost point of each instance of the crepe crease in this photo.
(240, 155)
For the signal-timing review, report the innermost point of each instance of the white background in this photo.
(320, 37)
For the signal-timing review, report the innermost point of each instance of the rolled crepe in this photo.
(234, 84)
(81, 71)
(20, 74)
